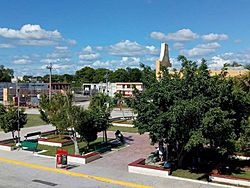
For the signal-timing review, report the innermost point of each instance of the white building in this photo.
(125, 88)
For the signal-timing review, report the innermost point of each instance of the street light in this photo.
(50, 73)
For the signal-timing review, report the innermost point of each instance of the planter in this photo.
(241, 156)
(139, 167)
(122, 124)
(6, 147)
(50, 142)
(229, 179)
(85, 158)
(44, 134)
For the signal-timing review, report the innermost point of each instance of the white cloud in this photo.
(22, 61)
(57, 66)
(6, 46)
(29, 31)
(178, 45)
(71, 41)
(60, 52)
(37, 42)
(158, 36)
(214, 36)
(130, 61)
(128, 48)
(89, 57)
(181, 35)
(201, 49)
(62, 47)
(88, 54)
(87, 49)
(242, 58)
(103, 64)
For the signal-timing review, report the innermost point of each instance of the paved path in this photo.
(138, 147)
(112, 167)
(24, 131)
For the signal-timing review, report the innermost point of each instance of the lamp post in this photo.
(50, 73)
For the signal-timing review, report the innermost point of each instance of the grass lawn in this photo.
(34, 120)
(242, 174)
(70, 148)
(124, 129)
(187, 174)
(128, 121)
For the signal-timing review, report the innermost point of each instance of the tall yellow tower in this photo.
(163, 61)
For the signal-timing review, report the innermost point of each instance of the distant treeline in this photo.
(90, 75)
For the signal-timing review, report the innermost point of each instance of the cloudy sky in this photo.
(115, 34)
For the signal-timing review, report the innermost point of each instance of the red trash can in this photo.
(61, 159)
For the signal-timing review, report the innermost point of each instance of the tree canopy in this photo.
(189, 109)
(5, 74)
(10, 120)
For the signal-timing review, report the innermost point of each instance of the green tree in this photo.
(10, 119)
(134, 74)
(101, 106)
(119, 75)
(189, 109)
(5, 74)
(85, 74)
(60, 112)
(87, 127)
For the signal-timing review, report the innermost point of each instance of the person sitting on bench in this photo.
(119, 136)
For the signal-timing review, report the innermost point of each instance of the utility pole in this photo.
(50, 73)
(18, 111)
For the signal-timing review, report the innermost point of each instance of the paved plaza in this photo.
(25, 169)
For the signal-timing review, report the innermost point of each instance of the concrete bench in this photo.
(32, 134)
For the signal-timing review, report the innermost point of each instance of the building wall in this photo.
(126, 88)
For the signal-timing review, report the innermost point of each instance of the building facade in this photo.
(125, 88)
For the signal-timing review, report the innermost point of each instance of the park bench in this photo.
(29, 145)
(32, 134)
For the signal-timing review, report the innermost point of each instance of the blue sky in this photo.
(116, 34)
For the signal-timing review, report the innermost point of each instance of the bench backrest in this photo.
(33, 134)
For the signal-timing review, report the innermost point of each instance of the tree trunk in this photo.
(74, 140)
(105, 135)
(123, 114)
(13, 136)
(180, 161)
(180, 157)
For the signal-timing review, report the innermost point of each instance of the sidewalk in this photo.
(24, 131)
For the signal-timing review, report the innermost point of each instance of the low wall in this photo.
(85, 158)
(50, 143)
(122, 124)
(6, 147)
(139, 167)
(230, 180)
